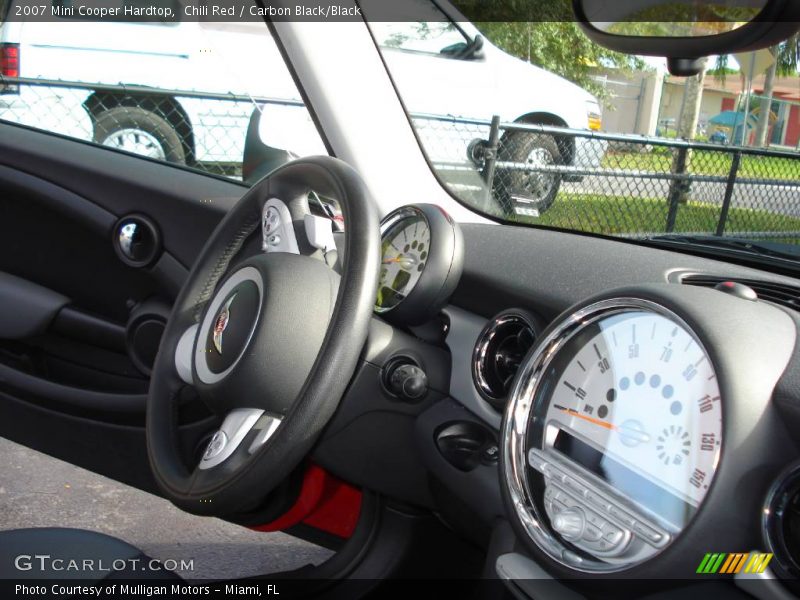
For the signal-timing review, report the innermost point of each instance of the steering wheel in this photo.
(269, 343)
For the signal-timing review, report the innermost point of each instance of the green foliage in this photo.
(787, 55)
(559, 47)
(721, 72)
(543, 32)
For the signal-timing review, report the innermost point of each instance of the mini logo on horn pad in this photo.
(221, 323)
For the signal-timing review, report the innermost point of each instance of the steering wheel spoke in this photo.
(292, 228)
(251, 424)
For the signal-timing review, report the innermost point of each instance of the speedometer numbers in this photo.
(643, 392)
(613, 434)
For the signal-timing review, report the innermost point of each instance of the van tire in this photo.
(139, 131)
(541, 189)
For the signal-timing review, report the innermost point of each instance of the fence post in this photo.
(726, 201)
(677, 188)
(490, 161)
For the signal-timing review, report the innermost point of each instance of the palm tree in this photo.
(690, 108)
(787, 60)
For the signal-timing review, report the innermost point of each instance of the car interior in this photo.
(428, 391)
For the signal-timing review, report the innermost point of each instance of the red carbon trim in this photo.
(325, 503)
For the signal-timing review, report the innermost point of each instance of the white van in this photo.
(170, 100)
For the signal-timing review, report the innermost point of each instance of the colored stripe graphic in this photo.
(711, 563)
(757, 563)
(724, 563)
(734, 563)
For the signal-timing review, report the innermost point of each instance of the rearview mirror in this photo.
(685, 31)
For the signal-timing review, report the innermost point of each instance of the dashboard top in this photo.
(547, 271)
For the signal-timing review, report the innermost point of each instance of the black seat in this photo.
(60, 553)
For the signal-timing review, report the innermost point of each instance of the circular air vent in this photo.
(782, 523)
(501, 346)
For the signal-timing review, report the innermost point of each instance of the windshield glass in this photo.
(529, 122)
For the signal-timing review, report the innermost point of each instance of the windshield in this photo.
(531, 123)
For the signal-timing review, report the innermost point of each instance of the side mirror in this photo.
(464, 50)
(685, 31)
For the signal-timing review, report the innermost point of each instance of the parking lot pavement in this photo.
(37, 490)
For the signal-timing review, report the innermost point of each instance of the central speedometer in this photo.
(614, 430)
(636, 401)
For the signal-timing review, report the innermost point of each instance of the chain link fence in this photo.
(612, 184)
(204, 130)
(615, 184)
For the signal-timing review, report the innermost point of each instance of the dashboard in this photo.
(610, 406)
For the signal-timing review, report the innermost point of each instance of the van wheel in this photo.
(139, 131)
(523, 188)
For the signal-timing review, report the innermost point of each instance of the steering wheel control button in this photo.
(272, 220)
(569, 523)
(277, 230)
(216, 445)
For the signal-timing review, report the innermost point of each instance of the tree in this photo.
(559, 47)
(692, 98)
(766, 106)
(786, 63)
(787, 60)
(546, 35)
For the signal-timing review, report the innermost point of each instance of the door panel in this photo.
(70, 304)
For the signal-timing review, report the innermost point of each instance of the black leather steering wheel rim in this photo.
(238, 491)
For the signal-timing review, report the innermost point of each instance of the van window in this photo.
(427, 30)
(184, 94)
(429, 37)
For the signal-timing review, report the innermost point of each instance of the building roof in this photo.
(787, 88)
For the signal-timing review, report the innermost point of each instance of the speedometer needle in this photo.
(636, 435)
(574, 413)
(405, 260)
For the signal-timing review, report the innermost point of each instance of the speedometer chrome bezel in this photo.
(517, 420)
